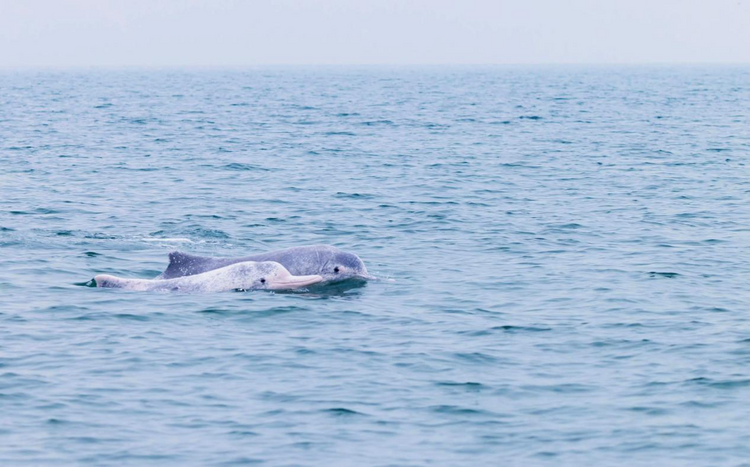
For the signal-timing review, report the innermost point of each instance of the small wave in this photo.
(725, 384)
(342, 412)
(341, 194)
(36, 211)
(468, 386)
(245, 167)
(514, 329)
(668, 275)
(456, 410)
(650, 410)
(377, 122)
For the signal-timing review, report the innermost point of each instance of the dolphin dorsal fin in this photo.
(181, 264)
(178, 257)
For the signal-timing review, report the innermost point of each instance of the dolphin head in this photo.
(270, 275)
(342, 266)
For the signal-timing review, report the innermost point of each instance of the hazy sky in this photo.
(254, 32)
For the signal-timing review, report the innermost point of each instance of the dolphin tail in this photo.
(114, 282)
(107, 281)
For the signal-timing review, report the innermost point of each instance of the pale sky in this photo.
(237, 33)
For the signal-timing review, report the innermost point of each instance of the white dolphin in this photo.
(246, 275)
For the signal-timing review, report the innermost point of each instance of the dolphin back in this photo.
(245, 275)
(113, 282)
(302, 260)
(183, 264)
(216, 280)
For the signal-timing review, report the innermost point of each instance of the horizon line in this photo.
(364, 65)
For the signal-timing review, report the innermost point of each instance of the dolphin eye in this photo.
(263, 280)
(336, 269)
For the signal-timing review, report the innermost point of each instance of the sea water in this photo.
(568, 252)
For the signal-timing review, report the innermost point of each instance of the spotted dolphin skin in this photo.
(329, 262)
(247, 275)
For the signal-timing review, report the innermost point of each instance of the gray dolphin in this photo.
(248, 275)
(329, 262)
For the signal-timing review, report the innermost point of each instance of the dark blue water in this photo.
(570, 250)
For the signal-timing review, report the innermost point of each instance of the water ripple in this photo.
(569, 249)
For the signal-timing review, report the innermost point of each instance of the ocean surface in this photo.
(568, 249)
